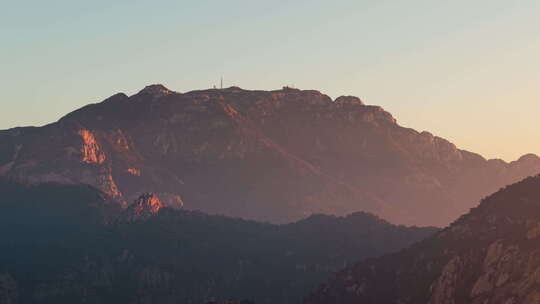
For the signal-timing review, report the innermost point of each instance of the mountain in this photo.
(490, 255)
(73, 243)
(275, 156)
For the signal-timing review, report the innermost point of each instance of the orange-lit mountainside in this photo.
(490, 255)
(74, 244)
(274, 156)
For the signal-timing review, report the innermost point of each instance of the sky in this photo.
(468, 71)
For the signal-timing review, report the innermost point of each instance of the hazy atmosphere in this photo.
(270, 152)
(430, 64)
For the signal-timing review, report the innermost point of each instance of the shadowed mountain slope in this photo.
(491, 255)
(72, 244)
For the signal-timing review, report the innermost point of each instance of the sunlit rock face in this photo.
(267, 155)
(90, 149)
(491, 255)
(145, 206)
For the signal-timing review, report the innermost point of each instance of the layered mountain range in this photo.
(274, 156)
(74, 244)
(490, 255)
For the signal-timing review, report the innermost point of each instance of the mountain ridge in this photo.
(66, 243)
(489, 255)
(275, 156)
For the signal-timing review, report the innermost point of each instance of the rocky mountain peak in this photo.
(155, 89)
(348, 100)
(116, 98)
(530, 157)
(147, 205)
(234, 89)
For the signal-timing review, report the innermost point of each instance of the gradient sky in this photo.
(468, 71)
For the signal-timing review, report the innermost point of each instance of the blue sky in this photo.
(464, 70)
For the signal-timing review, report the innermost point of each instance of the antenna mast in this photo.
(221, 82)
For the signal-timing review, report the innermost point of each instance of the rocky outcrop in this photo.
(490, 255)
(268, 155)
(348, 101)
(147, 205)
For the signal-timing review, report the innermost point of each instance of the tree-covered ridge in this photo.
(64, 243)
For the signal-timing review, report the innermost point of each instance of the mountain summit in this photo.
(268, 155)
